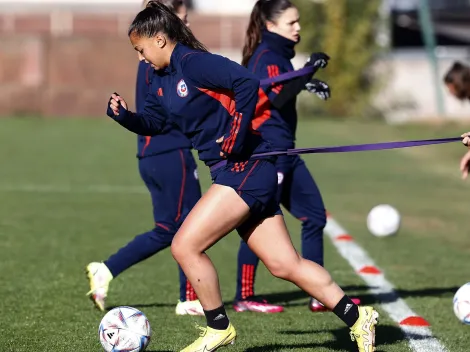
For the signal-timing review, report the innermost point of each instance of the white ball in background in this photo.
(462, 304)
(383, 220)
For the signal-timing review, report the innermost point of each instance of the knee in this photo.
(178, 250)
(184, 249)
(315, 221)
(283, 269)
(159, 235)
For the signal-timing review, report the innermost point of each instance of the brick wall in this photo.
(67, 63)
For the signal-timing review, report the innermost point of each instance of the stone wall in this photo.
(66, 63)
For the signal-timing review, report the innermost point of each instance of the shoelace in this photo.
(353, 337)
(203, 331)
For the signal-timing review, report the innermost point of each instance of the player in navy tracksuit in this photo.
(213, 101)
(272, 34)
(169, 171)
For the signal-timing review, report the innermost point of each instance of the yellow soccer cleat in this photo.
(363, 331)
(99, 277)
(212, 339)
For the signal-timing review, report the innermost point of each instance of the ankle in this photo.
(347, 311)
(217, 318)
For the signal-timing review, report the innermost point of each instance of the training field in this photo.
(70, 194)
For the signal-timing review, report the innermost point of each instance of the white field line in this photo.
(420, 337)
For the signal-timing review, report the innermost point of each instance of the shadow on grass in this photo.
(386, 335)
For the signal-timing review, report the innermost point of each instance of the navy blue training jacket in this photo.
(207, 96)
(170, 138)
(270, 59)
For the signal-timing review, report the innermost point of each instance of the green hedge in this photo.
(345, 30)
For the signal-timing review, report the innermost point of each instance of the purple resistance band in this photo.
(360, 147)
(349, 148)
(289, 75)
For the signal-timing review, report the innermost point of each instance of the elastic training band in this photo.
(349, 148)
(289, 75)
(361, 147)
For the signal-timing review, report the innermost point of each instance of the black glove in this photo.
(320, 88)
(319, 60)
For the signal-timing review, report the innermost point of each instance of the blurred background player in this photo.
(169, 171)
(457, 81)
(272, 34)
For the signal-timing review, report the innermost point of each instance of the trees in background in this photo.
(346, 31)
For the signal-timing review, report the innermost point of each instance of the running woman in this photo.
(213, 101)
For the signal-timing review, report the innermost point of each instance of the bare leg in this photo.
(199, 232)
(271, 242)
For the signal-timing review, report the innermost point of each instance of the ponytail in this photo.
(263, 11)
(253, 33)
(157, 18)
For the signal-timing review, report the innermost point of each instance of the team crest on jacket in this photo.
(182, 89)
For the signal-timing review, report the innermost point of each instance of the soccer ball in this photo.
(383, 220)
(462, 304)
(124, 329)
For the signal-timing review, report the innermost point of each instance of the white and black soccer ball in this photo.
(462, 304)
(383, 220)
(124, 329)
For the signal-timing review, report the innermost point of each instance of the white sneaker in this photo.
(189, 308)
(99, 278)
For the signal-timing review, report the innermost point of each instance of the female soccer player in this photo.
(169, 171)
(272, 34)
(213, 101)
(457, 81)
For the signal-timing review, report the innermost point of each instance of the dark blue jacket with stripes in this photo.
(170, 138)
(270, 59)
(207, 96)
